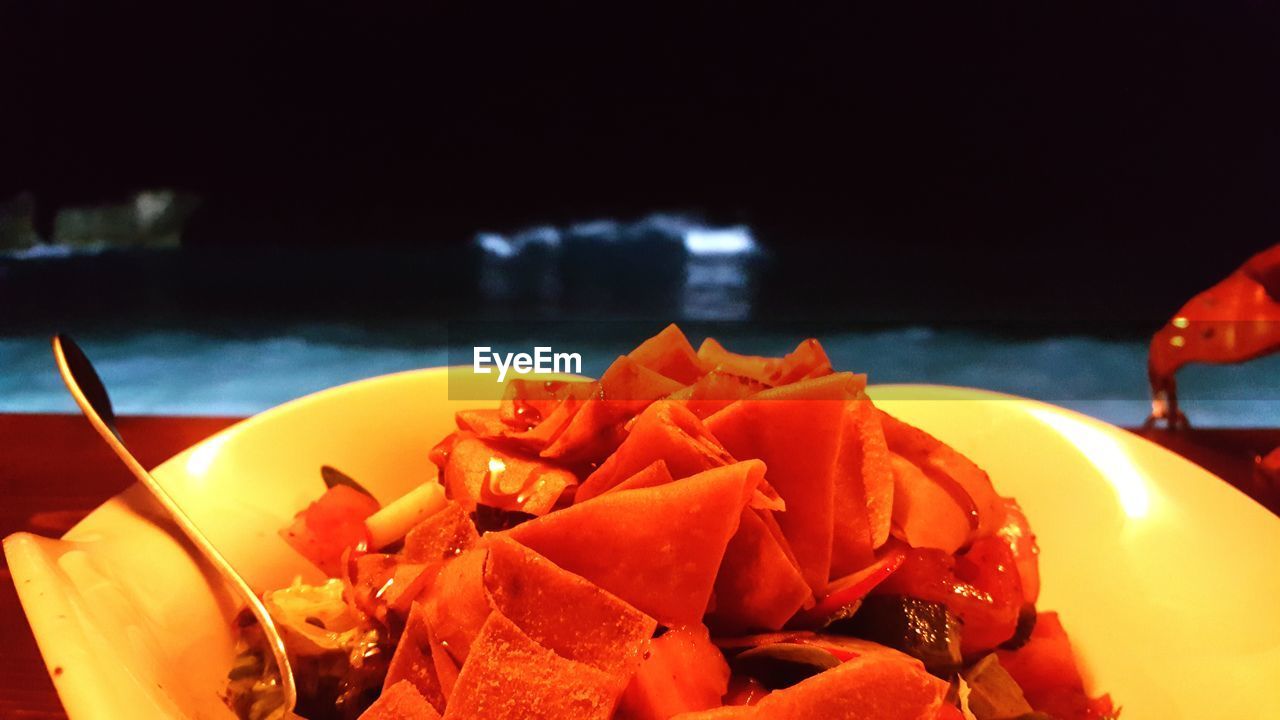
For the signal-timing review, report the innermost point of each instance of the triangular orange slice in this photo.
(446, 667)
(808, 360)
(658, 548)
(652, 476)
(796, 430)
(670, 354)
(564, 612)
(509, 676)
(665, 431)
(458, 604)
(716, 390)
(400, 701)
(759, 587)
(441, 536)
(412, 660)
(595, 430)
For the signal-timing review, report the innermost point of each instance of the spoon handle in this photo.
(75, 368)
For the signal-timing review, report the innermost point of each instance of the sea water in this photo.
(190, 372)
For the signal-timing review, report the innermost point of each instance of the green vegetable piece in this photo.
(924, 630)
(993, 693)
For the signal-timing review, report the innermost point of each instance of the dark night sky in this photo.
(982, 153)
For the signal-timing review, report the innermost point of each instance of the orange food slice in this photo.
(759, 585)
(596, 429)
(652, 476)
(943, 463)
(441, 536)
(796, 430)
(925, 513)
(564, 612)
(412, 660)
(716, 390)
(401, 701)
(863, 491)
(808, 360)
(446, 667)
(867, 431)
(669, 353)
(489, 425)
(665, 431)
(532, 412)
(458, 604)
(658, 548)
(528, 403)
(509, 676)
(385, 585)
(726, 712)
(479, 471)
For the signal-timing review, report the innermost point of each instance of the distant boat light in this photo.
(697, 239)
(719, 241)
(495, 244)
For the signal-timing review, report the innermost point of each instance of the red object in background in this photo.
(1236, 320)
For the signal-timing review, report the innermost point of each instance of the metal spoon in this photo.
(91, 395)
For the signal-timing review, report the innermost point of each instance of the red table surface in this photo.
(54, 471)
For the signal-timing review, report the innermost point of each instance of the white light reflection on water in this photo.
(719, 241)
(711, 262)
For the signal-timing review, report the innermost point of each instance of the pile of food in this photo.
(697, 534)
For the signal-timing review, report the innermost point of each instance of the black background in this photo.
(1073, 163)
